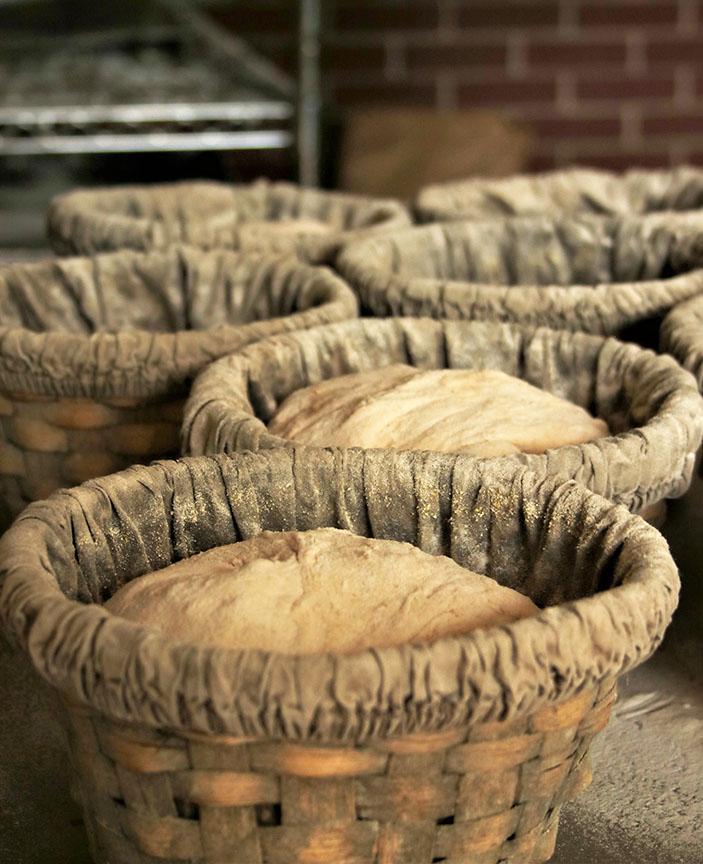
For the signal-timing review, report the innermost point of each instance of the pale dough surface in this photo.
(485, 412)
(315, 591)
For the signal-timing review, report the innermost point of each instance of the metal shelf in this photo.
(146, 142)
(177, 83)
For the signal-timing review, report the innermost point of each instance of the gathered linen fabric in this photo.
(597, 274)
(682, 335)
(217, 215)
(571, 190)
(139, 324)
(607, 577)
(651, 405)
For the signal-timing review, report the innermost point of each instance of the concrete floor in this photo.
(645, 805)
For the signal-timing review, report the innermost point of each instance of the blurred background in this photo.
(376, 96)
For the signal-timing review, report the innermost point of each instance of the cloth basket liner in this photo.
(142, 324)
(652, 406)
(210, 215)
(609, 572)
(682, 336)
(572, 190)
(590, 273)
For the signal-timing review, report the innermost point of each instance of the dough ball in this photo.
(485, 412)
(316, 591)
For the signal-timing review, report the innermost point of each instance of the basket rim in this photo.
(143, 363)
(438, 200)
(680, 336)
(82, 207)
(620, 626)
(604, 307)
(261, 185)
(220, 402)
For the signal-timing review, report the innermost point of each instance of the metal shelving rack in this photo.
(155, 76)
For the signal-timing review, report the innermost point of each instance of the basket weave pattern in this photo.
(484, 795)
(409, 745)
(48, 443)
(96, 354)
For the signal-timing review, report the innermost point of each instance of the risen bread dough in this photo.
(487, 413)
(315, 591)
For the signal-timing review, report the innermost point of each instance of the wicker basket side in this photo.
(47, 443)
(568, 191)
(591, 274)
(97, 354)
(484, 794)
(142, 218)
(651, 405)
(350, 217)
(217, 215)
(129, 324)
(607, 610)
(183, 737)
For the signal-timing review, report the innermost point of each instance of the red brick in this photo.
(576, 127)
(609, 14)
(496, 14)
(385, 94)
(574, 155)
(542, 162)
(506, 91)
(615, 89)
(367, 57)
(283, 52)
(371, 15)
(674, 51)
(256, 17)
(571, 53)
(610, 161)
(673, 124)
(455, 56)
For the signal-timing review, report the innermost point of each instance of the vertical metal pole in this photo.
(309, 95)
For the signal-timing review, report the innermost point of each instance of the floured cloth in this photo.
(308, 592)
(607, 576)
(281, 217)
(142, 324)
(486, 413)
(574, 190)
(651, 405)
(682, 336)
(591, 273)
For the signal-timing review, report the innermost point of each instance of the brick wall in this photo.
(611, 83)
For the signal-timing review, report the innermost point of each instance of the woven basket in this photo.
(595, 274)
(216, 215)
(97, 354)
(651, 405)
(575, 190)
(462, 750)
(682, 336)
